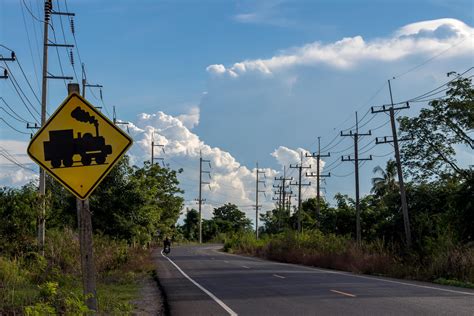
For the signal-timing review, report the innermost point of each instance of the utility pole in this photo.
(200, 200)
(85, 84)
(153, 145)
(300, 168)
(85, 242)
(48, 11)
(384, 140)
(282, 193)
(283, 185)
(257, 191)
(280, 203)
(318, 174)
(115, 120)
(356, 160)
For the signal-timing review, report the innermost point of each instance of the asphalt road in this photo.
(217, 283)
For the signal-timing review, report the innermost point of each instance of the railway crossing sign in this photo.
(78, 146)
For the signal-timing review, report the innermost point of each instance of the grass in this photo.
(35, 285)
(448, 263)
(457, 283)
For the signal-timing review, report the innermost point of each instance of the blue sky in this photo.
(242, 80)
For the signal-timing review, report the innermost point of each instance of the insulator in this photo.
(5, 73)
(13, 56)
(71, 22)
(100, 92)
(71, 56)
(48, 7)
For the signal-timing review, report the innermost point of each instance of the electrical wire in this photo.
(366, 151)
(430, 59)
(437, 88)
(27, 81)
(384, 155)
(22, 100)
(12, 116)
(29, 45)
(65, 41)
(13, 128)
(31, 13)
(13, 111)
(57, 53)
(9, 157)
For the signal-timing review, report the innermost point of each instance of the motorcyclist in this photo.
(166, 245)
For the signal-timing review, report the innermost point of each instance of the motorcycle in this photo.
(167, 249)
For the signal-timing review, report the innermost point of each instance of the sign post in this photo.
(78, 146)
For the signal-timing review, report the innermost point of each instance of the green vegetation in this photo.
(440, 201)
(227, 219)
(130, 207)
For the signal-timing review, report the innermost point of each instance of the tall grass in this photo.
(23, 279)
(314, 248)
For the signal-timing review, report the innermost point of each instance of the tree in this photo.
(434, 133)
(18, 211)
(229, 219)
(135, 203)
(386, 181)
(190, 226)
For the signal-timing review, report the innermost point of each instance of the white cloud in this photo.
(426, 37)
(190, 119)
(229, 181)
(11, 174)
(216, 69)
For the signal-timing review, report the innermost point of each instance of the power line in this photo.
(29, 45)
(31, 13)
(430, 59)
(17, 90)
(13, 111)
(27, 81)
(13, 128)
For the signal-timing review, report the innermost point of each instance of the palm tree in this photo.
(386, 181)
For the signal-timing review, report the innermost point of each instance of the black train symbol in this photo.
(62, 145)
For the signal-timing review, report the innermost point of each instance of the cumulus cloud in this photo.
(190, 119)
(230, 181)
(12, 153)
(426, 37)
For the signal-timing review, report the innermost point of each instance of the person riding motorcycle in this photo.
(166, 245)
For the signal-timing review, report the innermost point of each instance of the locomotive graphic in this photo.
(62, 146)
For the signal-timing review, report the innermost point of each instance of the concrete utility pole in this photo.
(384, 140)
(318, 174)
(300, 168)
(48, 11)
(200, 200)
(118, 122)
(85, 241)
(85, 84)
(48, 5)
(283, 186)
(257, 191)
(278, 197)
(153, 145)
(356, 160)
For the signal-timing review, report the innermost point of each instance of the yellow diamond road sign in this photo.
(78, 146)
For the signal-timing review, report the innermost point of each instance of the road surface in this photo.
(201, 280)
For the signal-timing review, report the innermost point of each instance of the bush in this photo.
(442, 260)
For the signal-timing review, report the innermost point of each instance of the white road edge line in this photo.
(245, 267)
(217, 300)
(348, 274)
(279, 276)
(343, 293)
